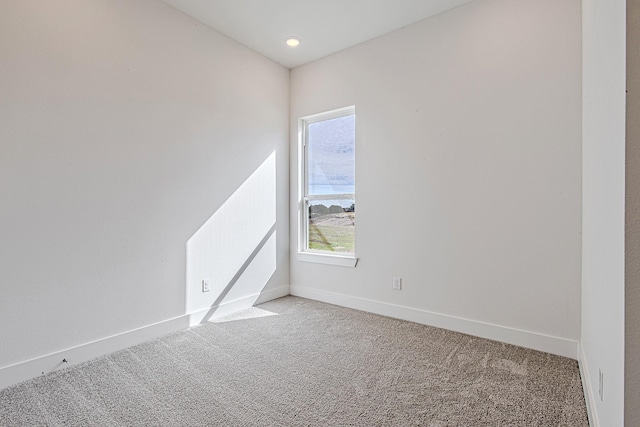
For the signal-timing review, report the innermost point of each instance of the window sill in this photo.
(343, 261)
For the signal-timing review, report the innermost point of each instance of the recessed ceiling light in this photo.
(292, 41)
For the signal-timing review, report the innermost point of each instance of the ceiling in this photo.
(323, 26)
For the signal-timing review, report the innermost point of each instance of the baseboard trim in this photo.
(22, 371)
(546, 343)
(587, 388)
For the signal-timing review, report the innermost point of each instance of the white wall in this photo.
(632, 227)
(468, 171)
(126, 126)
(603, 193)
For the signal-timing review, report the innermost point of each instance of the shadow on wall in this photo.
(235, 249)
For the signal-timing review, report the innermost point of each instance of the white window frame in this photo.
(304, 253)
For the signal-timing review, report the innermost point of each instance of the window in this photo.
(328, 198)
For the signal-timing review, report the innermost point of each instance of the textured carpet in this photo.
(293, 362)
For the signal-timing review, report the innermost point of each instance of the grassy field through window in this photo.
(334, 232)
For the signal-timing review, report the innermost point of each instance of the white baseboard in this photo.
(22, 371)
(587, 388)
(32, 368)
(546, 343)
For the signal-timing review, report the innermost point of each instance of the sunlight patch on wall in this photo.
(235, 249)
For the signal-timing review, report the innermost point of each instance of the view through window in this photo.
(329, 175)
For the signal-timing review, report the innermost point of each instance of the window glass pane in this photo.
(331, 156)
(332, 225)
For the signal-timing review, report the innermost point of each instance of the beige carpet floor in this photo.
(297, 362)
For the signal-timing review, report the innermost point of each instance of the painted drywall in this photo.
(126, 127)
(467, 166)
(603, 193)
(632, 220)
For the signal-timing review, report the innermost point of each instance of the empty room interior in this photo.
(357, 212)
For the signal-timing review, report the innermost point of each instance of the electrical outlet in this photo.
(601, 384)
(397, 283)
(206, 285)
